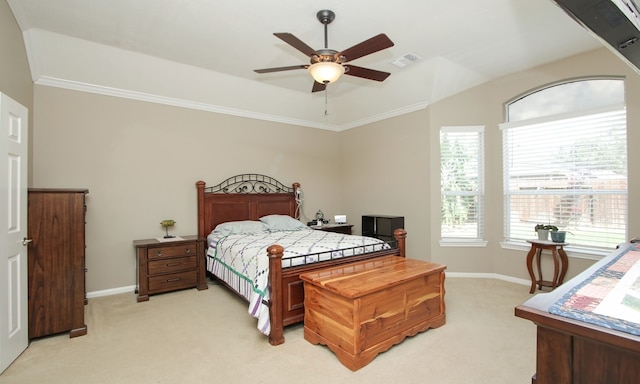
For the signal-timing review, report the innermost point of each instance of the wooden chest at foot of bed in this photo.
(364, 309)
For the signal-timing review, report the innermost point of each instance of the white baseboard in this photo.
(112, 291)
(497, 276)
(132, 288)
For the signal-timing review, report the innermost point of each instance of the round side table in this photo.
(560, 263)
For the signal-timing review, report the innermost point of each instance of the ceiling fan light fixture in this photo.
(326, 72)
(327, 65)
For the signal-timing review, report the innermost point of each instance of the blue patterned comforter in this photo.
(609, 297)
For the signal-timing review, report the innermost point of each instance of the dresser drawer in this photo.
(171, 251)
(173, 281)
(172, 265)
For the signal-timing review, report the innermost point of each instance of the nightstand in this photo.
(338, 228)
(165, 266)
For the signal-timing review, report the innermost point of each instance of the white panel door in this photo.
(14, 333)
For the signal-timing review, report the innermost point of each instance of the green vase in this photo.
(558, 236)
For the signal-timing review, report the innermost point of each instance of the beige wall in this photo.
(386, 171)
(405, 151)
(140, 162)
(15, 76)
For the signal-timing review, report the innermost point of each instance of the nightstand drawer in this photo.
(173, 265)
(171, 251)
(173, 281)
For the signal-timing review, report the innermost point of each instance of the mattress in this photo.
(241, 260)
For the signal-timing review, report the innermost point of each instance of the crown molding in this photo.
(151, 98)
(141, 96)
(384, 116)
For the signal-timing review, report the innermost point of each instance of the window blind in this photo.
(462, 182)
(568, 171)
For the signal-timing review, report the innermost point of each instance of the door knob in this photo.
(26, 241)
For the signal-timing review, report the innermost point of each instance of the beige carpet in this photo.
(207, 337)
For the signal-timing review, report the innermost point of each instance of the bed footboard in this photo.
(286, 289)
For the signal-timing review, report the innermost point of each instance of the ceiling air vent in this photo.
(405, 60)
(615, 22)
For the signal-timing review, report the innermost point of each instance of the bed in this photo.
(588, 329)
(241, 201)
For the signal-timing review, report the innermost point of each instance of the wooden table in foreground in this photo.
(364, 309)
(574, 352)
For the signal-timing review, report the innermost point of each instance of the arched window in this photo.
(565, 163)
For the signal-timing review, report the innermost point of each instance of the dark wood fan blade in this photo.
(279, 69)
(367, 47)
(317, 87)
(366, 73)
(296, 43)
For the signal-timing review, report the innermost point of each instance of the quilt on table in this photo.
(241, 259)
(610, 297)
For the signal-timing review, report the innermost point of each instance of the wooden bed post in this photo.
(276, 336)
(201, 229)
(401, 235)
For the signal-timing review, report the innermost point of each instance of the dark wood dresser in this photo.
(165, 266)
(56, 270)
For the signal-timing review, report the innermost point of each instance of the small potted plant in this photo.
(558, 236)
(543, 230)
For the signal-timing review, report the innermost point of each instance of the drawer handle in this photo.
(187, 250)
(172, 280)
(173, 264)
(159, 253)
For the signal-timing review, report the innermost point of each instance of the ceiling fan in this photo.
(327, 65)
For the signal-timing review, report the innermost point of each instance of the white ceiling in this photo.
(201, 54)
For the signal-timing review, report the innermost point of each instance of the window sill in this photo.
(463, 243)
(578, 253)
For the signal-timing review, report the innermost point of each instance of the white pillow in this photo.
(245, 226)
(282, 223)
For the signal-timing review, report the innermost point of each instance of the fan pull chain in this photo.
(326, 101)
